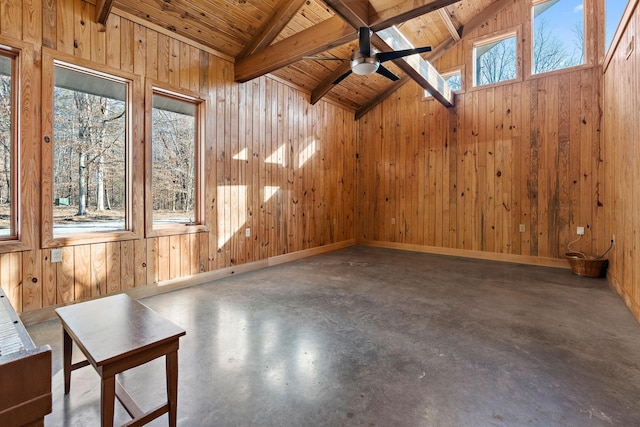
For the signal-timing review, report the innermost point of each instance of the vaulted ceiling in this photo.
(275, 36)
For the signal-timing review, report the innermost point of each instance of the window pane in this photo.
(495, 61)
(613, 12)
(89, 155)
(173, 178)
(454, 81)
(558, 35)
(6, 143)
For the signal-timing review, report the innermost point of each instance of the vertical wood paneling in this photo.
(312, 204)
(621, 156)
(526, 152)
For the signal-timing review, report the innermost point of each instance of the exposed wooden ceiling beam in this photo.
(277, 21)
(442, 48)
(403, 11)
(103, 8)
(352, 11)
(355, 12)
(328, 34)
(446, 19)
(436, 53)
(325, 86)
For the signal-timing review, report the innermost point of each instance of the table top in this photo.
(110, 327)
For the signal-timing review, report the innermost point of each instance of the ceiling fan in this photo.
(366, 60)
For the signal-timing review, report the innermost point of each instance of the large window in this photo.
(174, 160)
(89, 152)
(558, 35)
(8, 137)
(495, 60)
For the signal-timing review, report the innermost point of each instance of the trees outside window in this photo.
(495, 60)
(174, 159)
(7, 146)
(89, 152)
(558, 35)
(453, 80)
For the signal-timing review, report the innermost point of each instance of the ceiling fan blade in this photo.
(387, 56)
(388, 74)
(364, 41)
(342, 77)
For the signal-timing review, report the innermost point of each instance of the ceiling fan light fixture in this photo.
(364, 66)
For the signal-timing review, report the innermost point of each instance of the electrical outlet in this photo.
(56, 255)
(247, 232)
(522, 228)
(393, 220)
(580, 231)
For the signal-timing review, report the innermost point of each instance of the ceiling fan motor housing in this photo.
(362, 65)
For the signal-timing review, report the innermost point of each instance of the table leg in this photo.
(172, 386)
(66, 356)
(107, 400)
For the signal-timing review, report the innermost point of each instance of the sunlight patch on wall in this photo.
(278, 157)
(307, 153)
(270, 191)
(242, 155)
(230, 223)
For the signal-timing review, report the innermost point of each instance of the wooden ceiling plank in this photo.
(446, 19)
(482, 17)
(399, 11)
(103, 8)
(355, 12)
(325, 35)
(282, 14)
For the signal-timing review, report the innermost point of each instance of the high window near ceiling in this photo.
(175, 167)
(558, 35)
(453, 80)
(495, 60)
(8, 146)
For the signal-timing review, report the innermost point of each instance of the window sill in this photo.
(175, 229)
(86, 239)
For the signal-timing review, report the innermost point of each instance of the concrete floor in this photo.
(368, 336)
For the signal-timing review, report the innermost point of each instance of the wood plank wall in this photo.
(526, 152)
(622, 158)
(294, 185)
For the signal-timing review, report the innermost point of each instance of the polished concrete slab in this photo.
(376, 337)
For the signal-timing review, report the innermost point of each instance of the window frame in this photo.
(514, 32)
(201, 101)
(24, 179)
(133, 196)
(586, 48)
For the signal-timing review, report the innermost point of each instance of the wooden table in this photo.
(117, 333)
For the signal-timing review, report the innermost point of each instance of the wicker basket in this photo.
(588, 267)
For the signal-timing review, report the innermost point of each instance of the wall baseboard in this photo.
(48, 313)
(466, 253)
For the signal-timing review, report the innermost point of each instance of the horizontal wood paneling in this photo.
(622, 160)
(274, 164)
